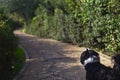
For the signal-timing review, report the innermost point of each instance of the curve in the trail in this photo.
(51, 59)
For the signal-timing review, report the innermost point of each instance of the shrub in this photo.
(8, 43)
(102, 24)
(89, 23)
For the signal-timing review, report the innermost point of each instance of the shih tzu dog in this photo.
(94, 69)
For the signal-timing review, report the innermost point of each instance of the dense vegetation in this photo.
(18, 61)
(7, 46)
(10, 63)
(90, 23)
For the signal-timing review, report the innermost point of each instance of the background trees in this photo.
(85, 23)
(88, 23)
(8, 44)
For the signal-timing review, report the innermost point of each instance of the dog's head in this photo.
(89, 56)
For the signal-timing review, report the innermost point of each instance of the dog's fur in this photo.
(94, 69)
(115, 73)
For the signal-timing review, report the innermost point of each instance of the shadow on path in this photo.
(50, 59)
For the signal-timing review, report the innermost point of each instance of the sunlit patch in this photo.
(34, 59)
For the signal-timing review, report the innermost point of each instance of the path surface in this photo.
(52, 60)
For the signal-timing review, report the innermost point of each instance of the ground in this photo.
(52, 60)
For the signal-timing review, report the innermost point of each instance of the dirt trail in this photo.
(52, 60)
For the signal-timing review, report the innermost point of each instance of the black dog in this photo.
(94, 69)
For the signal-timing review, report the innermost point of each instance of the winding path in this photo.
(52, 60)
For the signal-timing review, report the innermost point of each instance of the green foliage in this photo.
(23, 8)
(8, 43)
(7, 38)
(8, 21)
(87, 23)
(102, 23)
(17, 61)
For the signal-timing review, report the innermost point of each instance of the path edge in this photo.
(24, 66)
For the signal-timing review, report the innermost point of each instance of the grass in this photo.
(15, 64)
(18, 60)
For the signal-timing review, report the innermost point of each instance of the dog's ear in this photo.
(87, 49)
(89, 52)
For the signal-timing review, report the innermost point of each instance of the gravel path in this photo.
(52, 60)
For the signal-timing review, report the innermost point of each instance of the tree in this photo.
(8, 43)
(24, 8)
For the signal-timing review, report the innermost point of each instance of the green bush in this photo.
(14, 24)
(89, 23)
(8, 43)
(18, 61)
(101, 20)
